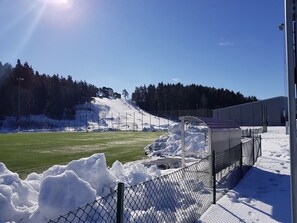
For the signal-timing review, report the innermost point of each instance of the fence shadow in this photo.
(275, 193)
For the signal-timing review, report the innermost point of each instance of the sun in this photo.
(63, 1)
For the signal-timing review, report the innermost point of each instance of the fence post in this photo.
(120, 203)
(86, 123)
(253, 152)
(260, 146)
(141, 120)
(126, 122)
(241, 160)
(214, 177)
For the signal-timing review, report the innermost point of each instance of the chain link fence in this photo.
(137, 121)
(250, 132)
(231, 165)
(181, 196)
(251, 150)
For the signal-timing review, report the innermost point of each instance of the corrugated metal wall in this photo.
(253, 114)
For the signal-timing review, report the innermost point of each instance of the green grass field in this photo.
(35, 152)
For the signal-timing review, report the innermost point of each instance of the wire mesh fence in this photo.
(181, 196)
(136, 121)
(251, 150)
(249, 132)
(231, 165)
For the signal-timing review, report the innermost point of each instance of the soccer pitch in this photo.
(24, 153)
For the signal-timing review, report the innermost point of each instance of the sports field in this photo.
(35, 152)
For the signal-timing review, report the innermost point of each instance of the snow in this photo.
(119, 114)
(196, 142)
(66, 191)
(263, 195)
(63, 188)
(102, 114)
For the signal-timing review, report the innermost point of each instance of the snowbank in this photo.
(63, 188)
(196, 142)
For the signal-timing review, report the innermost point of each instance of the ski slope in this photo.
(119, 114)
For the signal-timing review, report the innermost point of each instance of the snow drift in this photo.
(63, 188)
(196, 142)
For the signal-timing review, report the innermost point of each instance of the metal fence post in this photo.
(214, 177)
(253, 152)
(120, 203)
(260, 146)
(241, 160)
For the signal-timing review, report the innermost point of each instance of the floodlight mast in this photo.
(291, 57)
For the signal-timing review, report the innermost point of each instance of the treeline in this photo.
(24, 91)
(164, 98)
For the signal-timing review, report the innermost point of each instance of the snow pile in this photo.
(63, 188)
(196, 142)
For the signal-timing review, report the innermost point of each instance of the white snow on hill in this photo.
(102, 114)
(119, 114)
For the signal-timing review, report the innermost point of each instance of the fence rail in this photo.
(250, 132)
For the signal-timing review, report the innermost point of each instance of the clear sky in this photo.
(233, 44)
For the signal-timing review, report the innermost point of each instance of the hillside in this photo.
(101, 114)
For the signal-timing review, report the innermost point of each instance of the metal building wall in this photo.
(251, 114)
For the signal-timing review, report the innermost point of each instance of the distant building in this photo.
(272, 111)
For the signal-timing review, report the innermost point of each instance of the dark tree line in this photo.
(25, 91)
(107, 92)
(172, 97)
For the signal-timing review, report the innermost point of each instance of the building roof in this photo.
(213, 123)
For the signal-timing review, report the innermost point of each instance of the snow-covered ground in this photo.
(263, 195)
(63, 188)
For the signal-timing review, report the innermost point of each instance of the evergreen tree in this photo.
(54, 96)
(125, 94)
(164, 98)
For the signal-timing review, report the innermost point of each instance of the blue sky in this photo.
(233, 44)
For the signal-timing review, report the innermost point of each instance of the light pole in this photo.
(19, 102)
(290, 26)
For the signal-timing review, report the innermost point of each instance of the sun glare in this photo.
(61, 3)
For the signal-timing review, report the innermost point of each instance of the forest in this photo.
(24, 91)
(164, 99)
